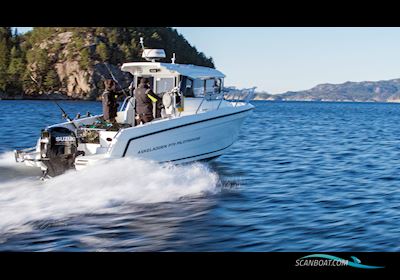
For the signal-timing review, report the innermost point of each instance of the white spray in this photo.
(98, 188)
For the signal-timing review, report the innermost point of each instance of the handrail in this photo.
(235, 97)
(222, 99)
(201, 103)
(250, 95)
(125, 103)
(208, 95)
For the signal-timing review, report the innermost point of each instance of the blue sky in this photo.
(281, 59)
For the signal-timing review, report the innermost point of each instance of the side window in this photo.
(164, 84)
(189, 88)
(151, 80)
(186, 86)
(217, 86)
(210, 84)
(198, 88)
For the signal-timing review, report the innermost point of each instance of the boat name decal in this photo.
(152, 149)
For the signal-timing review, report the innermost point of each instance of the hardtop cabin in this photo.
(192, 80)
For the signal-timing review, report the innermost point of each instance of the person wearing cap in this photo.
(145, 98)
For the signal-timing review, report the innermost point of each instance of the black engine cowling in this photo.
(58, 149)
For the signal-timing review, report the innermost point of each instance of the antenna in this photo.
(173, 58)
(144, 55)
(141, 42)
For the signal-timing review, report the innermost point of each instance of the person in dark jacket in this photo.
(144, 102)
(109, 100)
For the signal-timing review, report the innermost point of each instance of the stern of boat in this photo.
(30, 157)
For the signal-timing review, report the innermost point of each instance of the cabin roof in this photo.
(192, 71)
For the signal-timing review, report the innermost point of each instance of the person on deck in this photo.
(145, 98)
(109, 100)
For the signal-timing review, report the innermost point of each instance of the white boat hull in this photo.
(184, 140)
(177, 139)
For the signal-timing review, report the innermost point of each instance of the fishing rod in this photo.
(65, 115)
(115, 80)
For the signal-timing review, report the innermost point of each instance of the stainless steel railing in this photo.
(237, 96)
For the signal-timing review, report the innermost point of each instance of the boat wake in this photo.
(100, 188)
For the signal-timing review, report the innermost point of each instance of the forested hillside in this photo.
(72, 62)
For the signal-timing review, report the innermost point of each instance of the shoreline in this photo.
(58, 96)
(72, 100)
(256, 100)
(50, 97)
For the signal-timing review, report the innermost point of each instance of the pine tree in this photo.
(113, 36)
(15, 69)
(51, 80)
(85, 61)
(16, 39)
(102, 52)
(38, 58)
(127, 55)
(6, 33)
(3, 64)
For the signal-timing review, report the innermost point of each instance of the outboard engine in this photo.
(58, 149)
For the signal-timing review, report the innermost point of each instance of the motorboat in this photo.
(198, 120)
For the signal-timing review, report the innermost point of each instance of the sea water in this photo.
(303, 176)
